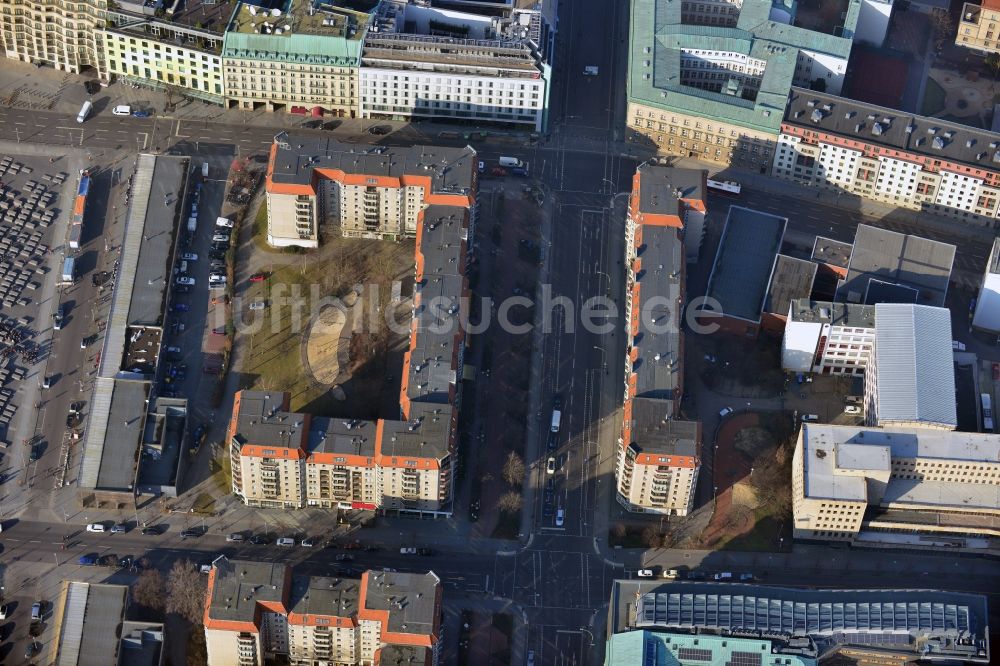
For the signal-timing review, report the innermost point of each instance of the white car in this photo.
(852, 409)
(220, 238)
(95, 527)
(3, 612)
(189, 281)
(560, 517)
(408, 551)
(725, 411)
(308, 542)
(550, 465)
(258, 305)
(235, 537)
(189, 256)
(286, 541)
(122, 110)
(224, 222)
(644, 573)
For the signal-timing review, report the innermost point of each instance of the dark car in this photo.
(344, 557)
(190, 533)
(141, 113)
(552, 443)
(182, 289)
(379, 130)
(32, 649)
(152, 530)
(426, 551)
(181, 307)
(259, 540)
(87, 560)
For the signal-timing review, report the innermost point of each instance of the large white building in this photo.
(911, 381)
(886, 155)
(423, 61)
(920, 482)
(258, 611)
(987, 313)
(826, 337)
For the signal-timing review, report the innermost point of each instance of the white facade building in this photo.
(987, 312)
(829, 338)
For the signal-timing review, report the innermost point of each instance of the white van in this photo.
(204, 169)
(84, 111)
(286, 541)
(95, 527)
(556, 419)
(122, 110)
(182, 267)
(809, 418)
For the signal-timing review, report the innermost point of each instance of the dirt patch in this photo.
(752, 441)
(328, 341)
(744, 495)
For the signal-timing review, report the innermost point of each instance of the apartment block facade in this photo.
(256, 612)
(177, 49)
(314, 67)
(979, 26)
(882, 154)
(828, 338)
(658, 457)
(60, 33)
(420, 61)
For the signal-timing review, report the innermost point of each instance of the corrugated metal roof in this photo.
(97, 430)
(71, 634)
(914, 362)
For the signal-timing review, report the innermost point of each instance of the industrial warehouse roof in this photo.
(791, 279)
(114, 434)
(836, 461)
(296, 157)
(833, 252)
(663, 648)
(926, 623)
(89, 622)
(741, 274)
(658, 37)
(836, 314)
(881, 256)
(894, 130)
(914, 365)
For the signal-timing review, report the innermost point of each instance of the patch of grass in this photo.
(934, 98)
(260, 228)
(222, 472)
(508, 525)
(763, 537)
(204, 503)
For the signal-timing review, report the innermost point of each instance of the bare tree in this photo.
(510, 502)
(513, 469)
(148, 590)
(651, 537)
(185, 591)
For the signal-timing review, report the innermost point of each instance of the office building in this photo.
(711, 79)
(60, 33)
(911, 379)
(866, 626)
(887, 155)
(302, 59)
(421, 61)
(89, 628)
(360, 191)
(261, 611)
(741, 280)
(659, 455)
(986, 315)
(924, 485)
(177, 49)
(979, 26)
(827, 337)
(651, 646)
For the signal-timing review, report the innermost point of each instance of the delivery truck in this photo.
(69, 270)
(192, 224)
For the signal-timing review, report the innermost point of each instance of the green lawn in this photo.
(934, 98)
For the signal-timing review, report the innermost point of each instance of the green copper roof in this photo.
(306, 49)
(654, 648)
(658, 37)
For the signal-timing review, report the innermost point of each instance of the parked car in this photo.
(152, 530)
(258, 277)
(189, 256)
(184, 280)
(190, 533)
(95, 527)
(220, 238)
(259, 540)
(172, 350)
(550, 465)
(182, 289)
(4, 609)
(141, 113)
(235, 537)
(560, 517)
(852, 409)
(286, 541)
(120, 528)
(36, 610)
(725, 411)
(308, 542)
(644, 573)
(224, 222)
(746, 577)
(407, 551)
(258, 305)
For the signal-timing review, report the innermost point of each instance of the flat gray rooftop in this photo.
(833, 252)
(661, 188)
(742, 270)
(658, 365)
(836, 314)
(262, 421)
(165, 434)
(298, 156)
(341, 436)
(655, 433)
(90, 621)
(114, 434)
(791, 279)
(424, 435)
(152, 270)
(141, 644)
(241, 584)
(888, 256)
(410, 598)
(321, 595)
